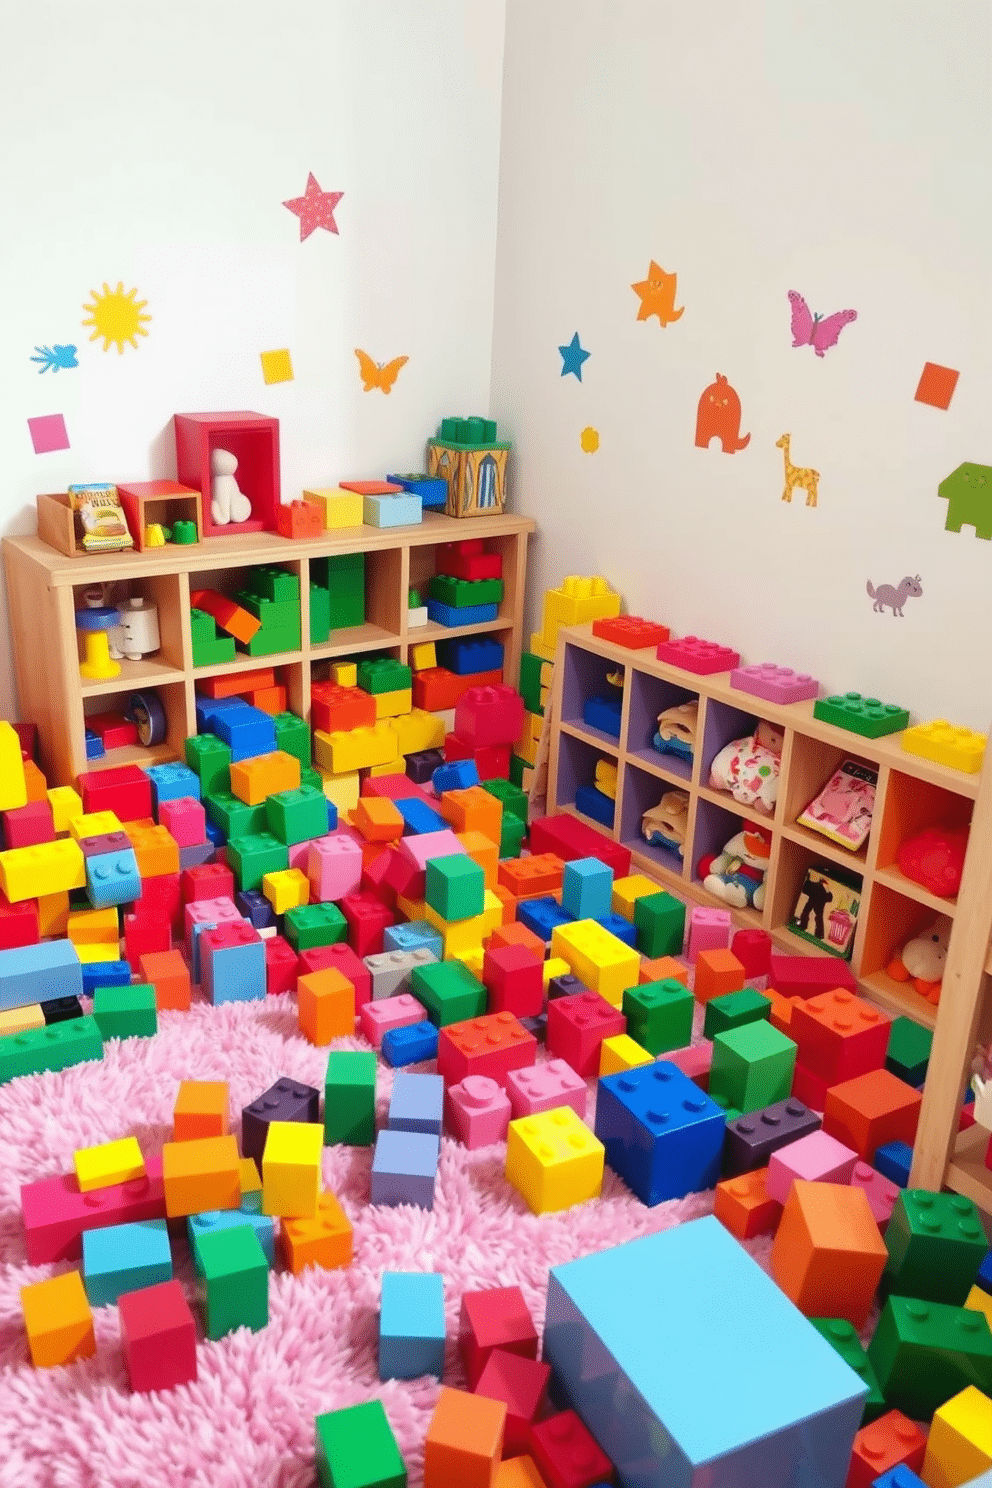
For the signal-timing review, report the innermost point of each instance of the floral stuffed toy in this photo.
(749, 768)
(737, 875)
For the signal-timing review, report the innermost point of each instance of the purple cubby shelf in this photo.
(649, 696)
(584, 677)
(714, 829)
(723, 724)
(576, 766)
(640, 792)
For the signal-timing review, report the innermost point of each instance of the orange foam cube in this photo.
(717, 972)
(484, 852)
(870, 1110)
(155, 849)
(473, 810)
(518, 1472)
(742, 1205)
(517, 934)
(508, 902)
(236, 684)
(59, 1320)
(35, 782)
(203, 1173)
(464, 1440)
(168, 973)
(200, 1110)
(378, 819)
(533, 878)
(326, 1240)
(326, 1005)
(829, 1254)
(663, 969)
(263, 775)
(271, 700)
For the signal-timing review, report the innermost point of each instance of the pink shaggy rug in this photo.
(249, 1418)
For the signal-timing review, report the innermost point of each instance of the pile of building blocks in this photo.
(262, 619)
(467, 588)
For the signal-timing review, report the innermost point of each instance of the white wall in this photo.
(843, 150)
(154, 143)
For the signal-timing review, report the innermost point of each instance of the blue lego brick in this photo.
(894, 1160)
(194, 947)
(195, 854)
(410, 1045)
(452, 615)
(432, 489)
(984, 1277)
(410, 935)
(465, 658)
(404, 1167)
(416, 1104)
(592, 802)
(587, 888)
(663, 1135)
(215, 833)
(392, 511)
(253, 904)
(332, 817)
(411, 1325)
(95, 748)
(172, 782)
(246, 731)
(623, 929)
(113, 878)
(125, 1258)
(690, 1366)
(104, 974)
(37, 973)
(419, 817)
(542, 915)
(455, 775)
(904, 1477)
(234, 973)
(604, 714)
(208, 709)
(225, 1219)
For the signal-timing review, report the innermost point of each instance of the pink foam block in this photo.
(298, 855)
(208, 912)
(694, 1060)
(48, 433)
(489, 715)
(419, 848)
(816, 1159)
(477, 1111)
(334, 866)
(880, 1193)
(695, 655)
(777, 684)
(542, 1087)
(376, 1018)
(709, 930)
(184, 819)
(56, 1213)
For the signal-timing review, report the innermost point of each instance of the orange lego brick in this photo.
(893, 1440)
(742, 1205)
(840, 1035)
(517, 934)
(482, 850)
(58, 1320)
(781, 1013)
(271, 700)
(437, 690)
(630, 631)
(491, 1045)
(829, 1254)
(663, 969)
(508, 902)
(204, 1173)
(870, 1110)
(228, 615)
(717, 972)
(237, 684)
(518, 1472)
(473, 810)
(326, 1240)
(156, 850)
(35, 782)
(464, 1440)
(263, 775)
(333, 707)
(200, 1110)
(168, 973)
(326, 1005)
(534, 877)
(378, 819)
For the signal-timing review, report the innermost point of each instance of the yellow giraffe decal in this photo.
(800, 476)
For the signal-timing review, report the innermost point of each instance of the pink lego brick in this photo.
(816, 1159)
(545, 1086)
(298, 854)
(694, 1060)
(489, 715)
(184, 819)
(376, 1018)
(334, 866)
(753, 949)
(208, 912)
(709, 930)
(880, 1193)
(806, 976)
(56, 1213)
(477, 1111)
(695, 655)
(422, 846)
(777, 684)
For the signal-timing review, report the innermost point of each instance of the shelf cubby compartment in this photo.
(172, 697)
(892, 919)
(910, 806)
(270, 592)
(164, 591)
(249, 678)
(722, 725)
(584, 677)
(649, 696)
(793, 862)
(355, 600)
(811, 762)
(714, 826)
(577, 768)
(423, 568)
(643, 792)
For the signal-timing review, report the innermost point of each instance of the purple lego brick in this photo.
(695, 655)
(286, 1100)
(106, 842)
(565, 985)
(777, 684)
(751, 1139)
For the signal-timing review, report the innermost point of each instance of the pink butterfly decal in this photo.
(816, 330)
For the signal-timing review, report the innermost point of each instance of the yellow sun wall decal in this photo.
(116, 316)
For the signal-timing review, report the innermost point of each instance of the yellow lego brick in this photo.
(606, 778)
(959, 1446)
(291, 1166)
(575, 601)
(533, 724)
(343, 789)
(58, 1320)
(286, 889)
(540, 647)
(418, 730)
(621, 1053)
(554, 966)
(960, 748)
(627, 891)
(46, 868)
(53, 915)
(473, 958)
(340, 508)
(355, 749)
(599, 960)
(423, 656)
(547, 676)
(110, 1162)
(20, 1020)
(344, 673)
(980, 1301)
(93, 927)
(411, 909)
(66, 804)
(545, 697)
(553, 1160)
(527, 778)
(99, 950)
(393, 704)
(251, 1182)
(393, 767)
(458, 936)
(13, 785)
(94, 824)
(526, 749)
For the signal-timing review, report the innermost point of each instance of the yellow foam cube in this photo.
(394, 767)
(94, 824)
(627, 891)
(286, 889)
(66, 803)
(599, 960)
(13, 785)
(554, 966)
(344, 789)
(960, 748)
(100, 950)
(553, 1160)
(393, 704)
(980, 1301)
(418, 730)
(458, 935)
(110, 1162)
(53, 914)
(423, 656)
(540, 647)
(344, 673)
(526, 749)
(533, 724)
(355, 749)
(621, 1053)
(340, 508)
(21, 1019)
(46, 868)
(93, 927)
(959, 1446)
(291, 1166)
(59, 1320)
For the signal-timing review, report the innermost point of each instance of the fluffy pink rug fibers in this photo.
(249, 1418)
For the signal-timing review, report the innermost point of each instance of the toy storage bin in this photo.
(650, 696)
(112, 697)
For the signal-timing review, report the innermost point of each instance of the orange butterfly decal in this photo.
(378, 374)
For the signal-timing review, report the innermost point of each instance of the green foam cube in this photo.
(309, 925)
(210, 758)
(297, 815)
(349, 1098)
(660, 923)
(733, 1010)
(455, 887)
(125, 1012)
(753, 1066)
(236, 1274)
(448, 991)
(659, 1015)
(54, 1047)
(255, 855)
(356, 1448)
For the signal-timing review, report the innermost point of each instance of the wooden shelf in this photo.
(966, 1172)
(355, 638)
(434, 632)
(894, 878)
(592, 736)
(824, 848)
(149, 672)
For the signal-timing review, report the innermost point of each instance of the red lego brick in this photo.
(806, 976)
(27, 733)
(400, 875)
(344, 959)
(206, 881)
(25, 826)
(703, 658)
(468, 560)
(375, 878)
(521, 1384)
(514, 977)
(158, 1335)
(438, 690)
(281, 966)
(630, 631)
(566, 1454)
(160, 899)
(870, 1110)
(489, 715)
(333, 707)
(577, 1026)
(494, 1318)
(839, 1036)
(113, 729)
(533, 877)
(55, 1213)
(299, 519)
(570, 838)
(18, 923)
(236, 685)
(367, 919)
(808, 1086)
(168, 973)
(125, 790)
(753, 949)
(893, 1440)
(144, 933)
(492, 1045)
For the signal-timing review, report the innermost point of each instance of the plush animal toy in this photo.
(921, 960)
(737, 875)
(749, 768)
(664, 825)
(676, 732)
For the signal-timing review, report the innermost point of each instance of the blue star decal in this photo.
(572, 357)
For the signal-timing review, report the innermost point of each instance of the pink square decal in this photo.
(48, 433)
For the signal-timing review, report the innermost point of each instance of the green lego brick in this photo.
(925, 1352)
(448, 991)
(909, 1050)
(659, 1015)
(315, 925)
(463, 592)
(310, 776)
(343, 575)
(234, 817)
(349, 1098)
(733, 1010)
(293, 737)
(468, 433)
(213, 653)
(842, 1336)
(297, 815)
(517, 768)
(270, 642)
(936, 1244)
(210, 757)
(379, 674)
(356, 1448)
(275, 614)
(320, 615)
(53, 1048)
(269, 581)
(513, 798)
(456, 887)
(202, 625)
(512, 832)
(530, 682)
(125, 1012)
(236, 1275)
(753, 1066)
(860, 715)
(660, 923)
(255, 855)
(413, 599)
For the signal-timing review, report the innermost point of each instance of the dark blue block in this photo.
(603, 714)
(621, 928)
(984, 1277)
(432, 489)
(420, 765)
(752, 1138)
(60, 1009)
(216, 833)
(453, 615)
(255, 907)
(904, 1477)
(565, 986)
(537, 1026)
(455, 775)
(105, 974)
(94, 745)
(663, 1135)
(332, 817)
(542, 915)
(286, 1100)
(410, 1045)
(419, 817)
(592, 802)
(894, 1160)
(481, 654)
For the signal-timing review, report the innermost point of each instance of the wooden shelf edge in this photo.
(966, 1172)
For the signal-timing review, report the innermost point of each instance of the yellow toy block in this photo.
(46, 868)
(627, 891)
(286, 889)
(540, 647)
(203, 1173)
(344, 789)
(554, 966)
(59, 1320)
(392, 767)
(344, 673)
(526, 749)
(575, 601)
(473, 958)
(264, 775)
(545, 694)
(326, 1240)
(251, 1182)
(93, 927)
(418, 730)
(340, 508)
(101, 950)
(458, 935)
(484, 852)
(533, 724)
(66, 804)
(553, 1160)
(423, 656)
(291, 1166)
(393, 704)
(599, 960)
(621, 1053)
(606, 778)
(53, 915)
(13, 785)
(959, 1446)
(94, 824)
(355, 749)
(411, 909)
(980, 1301)
(960, 748)
(110, 1162)
(20, 1020)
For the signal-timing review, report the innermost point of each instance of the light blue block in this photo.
(411, 1325)
(113, 878)
(404, 1167)
(226, 1219)
(38, 973)
(690, 1367)
(392, 511)
(234, 973)
(196, 930)
(587, 889)
(416, 1103)
(410, 934)
(125, 1258)
(172, 782)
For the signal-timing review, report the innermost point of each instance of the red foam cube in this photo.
(25, 826)
(160, 899)
(145, 933)
(566, 1454)
(468, 560)
(568, 838)
(367, 919)
(577, 1026)
(344, 960)
(489, 715)
(521, 1384)
(806, 976)
(206, 881)
(125, 790)
(753, 949)
(112, 729)
(55, 1213)
(491, 1319)
(630, 631)
(281, 966)
(158, 1333)
(18, 923)
(514, 977)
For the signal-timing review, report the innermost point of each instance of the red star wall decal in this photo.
(315, 208)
